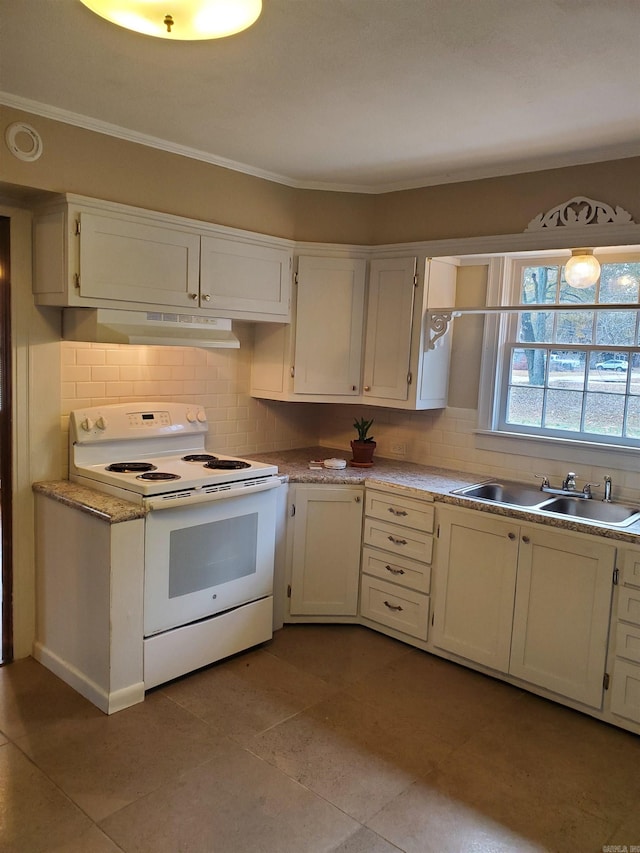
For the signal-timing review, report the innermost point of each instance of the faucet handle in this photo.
(545, 481)
(587, 489)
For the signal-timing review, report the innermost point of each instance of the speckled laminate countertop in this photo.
(422, 480)
(105, 507)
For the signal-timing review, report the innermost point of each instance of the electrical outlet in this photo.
(398, 448)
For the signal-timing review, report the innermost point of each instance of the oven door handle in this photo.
(208, 494)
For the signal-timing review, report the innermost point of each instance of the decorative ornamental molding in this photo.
(580, 211)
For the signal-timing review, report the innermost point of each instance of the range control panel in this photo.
(121, 421)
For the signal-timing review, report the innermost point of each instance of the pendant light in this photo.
(582, 269)
(180, 20)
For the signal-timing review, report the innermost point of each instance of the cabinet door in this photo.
(475, 586)
(129, 261)
(245, 280)
(330, 305)
(389, 324)
(326, 551)
(562, 612)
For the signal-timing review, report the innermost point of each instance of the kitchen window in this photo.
(569, 374)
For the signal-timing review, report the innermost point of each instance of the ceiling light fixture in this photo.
(582, 269)
(180, 20)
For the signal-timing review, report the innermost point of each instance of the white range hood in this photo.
(114, 326)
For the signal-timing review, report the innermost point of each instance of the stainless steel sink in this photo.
(594, 510)
(504, 493)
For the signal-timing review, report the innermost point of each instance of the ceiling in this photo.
(357, 95)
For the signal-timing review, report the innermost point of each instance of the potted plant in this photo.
(364, 446)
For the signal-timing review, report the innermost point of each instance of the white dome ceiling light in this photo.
(180, 20)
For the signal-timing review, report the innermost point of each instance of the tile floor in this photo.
(328, 738)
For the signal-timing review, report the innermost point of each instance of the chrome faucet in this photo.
(607, 489)
(569, 482)
(568, 487)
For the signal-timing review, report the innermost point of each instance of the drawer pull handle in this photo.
(396, 541)
(397, 511)
(394, 571)
(394, 607)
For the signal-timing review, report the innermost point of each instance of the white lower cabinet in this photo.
(625, 686)
(324, 534)
(396, 562)
(525, 600)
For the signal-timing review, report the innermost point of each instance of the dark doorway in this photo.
(5, 442)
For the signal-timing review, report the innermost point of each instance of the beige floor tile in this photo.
(247, 694)
(31, 696)
(627, 833)
(357, 757)
(577, 760)
(365, 841)
(435, 816)
(438, 695)
(237, 804)
(91, 841)
(34, 813)
(339, 654)
(104, 763)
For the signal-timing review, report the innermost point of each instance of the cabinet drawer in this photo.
(631, 568)
(402, 609)
(628, 642)
(625, 692)
(400, 510)
(399, 540)
(629, 605)
(395, 569)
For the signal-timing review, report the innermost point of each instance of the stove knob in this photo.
(87, 425)
(101, 423)
(202, 416)
(191, 417)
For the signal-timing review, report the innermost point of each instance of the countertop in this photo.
(408, 478)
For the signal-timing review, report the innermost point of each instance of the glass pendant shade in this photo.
(180, 20)
(582, 269)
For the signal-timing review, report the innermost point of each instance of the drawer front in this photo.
(398, 540)
(628, 642)
(396, 569)
(400, 510)
(398, 608)
(625, 692)
(629, 604)
(631, 568)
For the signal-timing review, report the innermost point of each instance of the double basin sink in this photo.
(524, 497)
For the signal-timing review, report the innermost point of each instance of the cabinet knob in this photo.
(206, 297)
(354, 387)
(193, 296)
(526, 540)
(367, 387)
(511, 536)
(357, 499)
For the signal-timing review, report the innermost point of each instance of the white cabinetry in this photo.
(324, 535)
(625, 687)
(96, 254)
(320, 357)
(396, 563)
(526, 601)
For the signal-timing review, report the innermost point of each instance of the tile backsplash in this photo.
(217, 379)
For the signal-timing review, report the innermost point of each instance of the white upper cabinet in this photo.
(328, 329)
(96, 254)
(321, 356)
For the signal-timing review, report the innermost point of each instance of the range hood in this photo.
(115, 326)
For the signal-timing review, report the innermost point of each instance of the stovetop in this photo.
(166, 438)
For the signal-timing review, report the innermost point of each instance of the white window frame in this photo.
(490, 436)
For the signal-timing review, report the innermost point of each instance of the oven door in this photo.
(204, 559)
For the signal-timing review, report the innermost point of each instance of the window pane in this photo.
(603, 414)
(539, 285)
(524, 406)
(563, 410)
(619, 282)
(575, 327)
(535, 327)
(528, 367)
(633, 418)
(608, 372)
(566, 369)
(616, 328)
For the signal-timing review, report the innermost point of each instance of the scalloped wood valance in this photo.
(578, 212)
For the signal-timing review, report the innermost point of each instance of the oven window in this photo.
(208, 555)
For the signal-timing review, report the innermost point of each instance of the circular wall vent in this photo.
(23, 141)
